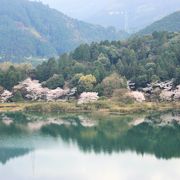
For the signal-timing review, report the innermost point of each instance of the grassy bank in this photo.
(108, 106)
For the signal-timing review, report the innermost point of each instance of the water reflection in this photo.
(157, 134)
(8, 153)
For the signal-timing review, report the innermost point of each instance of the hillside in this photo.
(101, 67)
(33, 29)
(169, 23)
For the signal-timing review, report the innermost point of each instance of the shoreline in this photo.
(105, 106)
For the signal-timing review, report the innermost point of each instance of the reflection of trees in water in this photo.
(9, 133)
(8, 153)
(113, 136)
(106, 134)
(164, 142)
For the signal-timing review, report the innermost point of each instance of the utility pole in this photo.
(126, 20)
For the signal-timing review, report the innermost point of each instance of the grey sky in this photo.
(80, 9)
(83, 9)
(122, 14)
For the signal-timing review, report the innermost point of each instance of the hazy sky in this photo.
(80, 9)
(121, 14)
(83, 9)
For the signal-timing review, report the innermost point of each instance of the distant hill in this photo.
(31, 29)
(132, 15)
(169, 23)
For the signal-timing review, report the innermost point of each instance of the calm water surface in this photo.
(89, 147)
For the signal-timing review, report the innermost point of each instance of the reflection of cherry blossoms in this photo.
(7, 120)
(38, 124)
(87, 122)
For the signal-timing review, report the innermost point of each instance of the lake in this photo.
(89, 146)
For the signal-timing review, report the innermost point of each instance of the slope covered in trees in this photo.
(106, 66)
(32, 29)
(140, 59)
(170, 23)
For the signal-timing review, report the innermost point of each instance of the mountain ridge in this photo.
(30, 28)
(170, 23)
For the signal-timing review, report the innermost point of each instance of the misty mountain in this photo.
(169, 23)
(133, 15)
(32, 29)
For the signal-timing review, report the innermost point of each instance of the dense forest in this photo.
(105, 66)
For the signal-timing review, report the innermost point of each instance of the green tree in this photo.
(112, 82)
(55, 81)
(82, 53)
(86, 83)
(75, 80)
(177, 79)
(46, 70)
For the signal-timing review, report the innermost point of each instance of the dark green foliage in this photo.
(17, 97)
(178, 76)
(99, 89)
(82, 53)
(11, 77)
(46, 70)
(54, 82)
(75, 80)
(140, 59)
